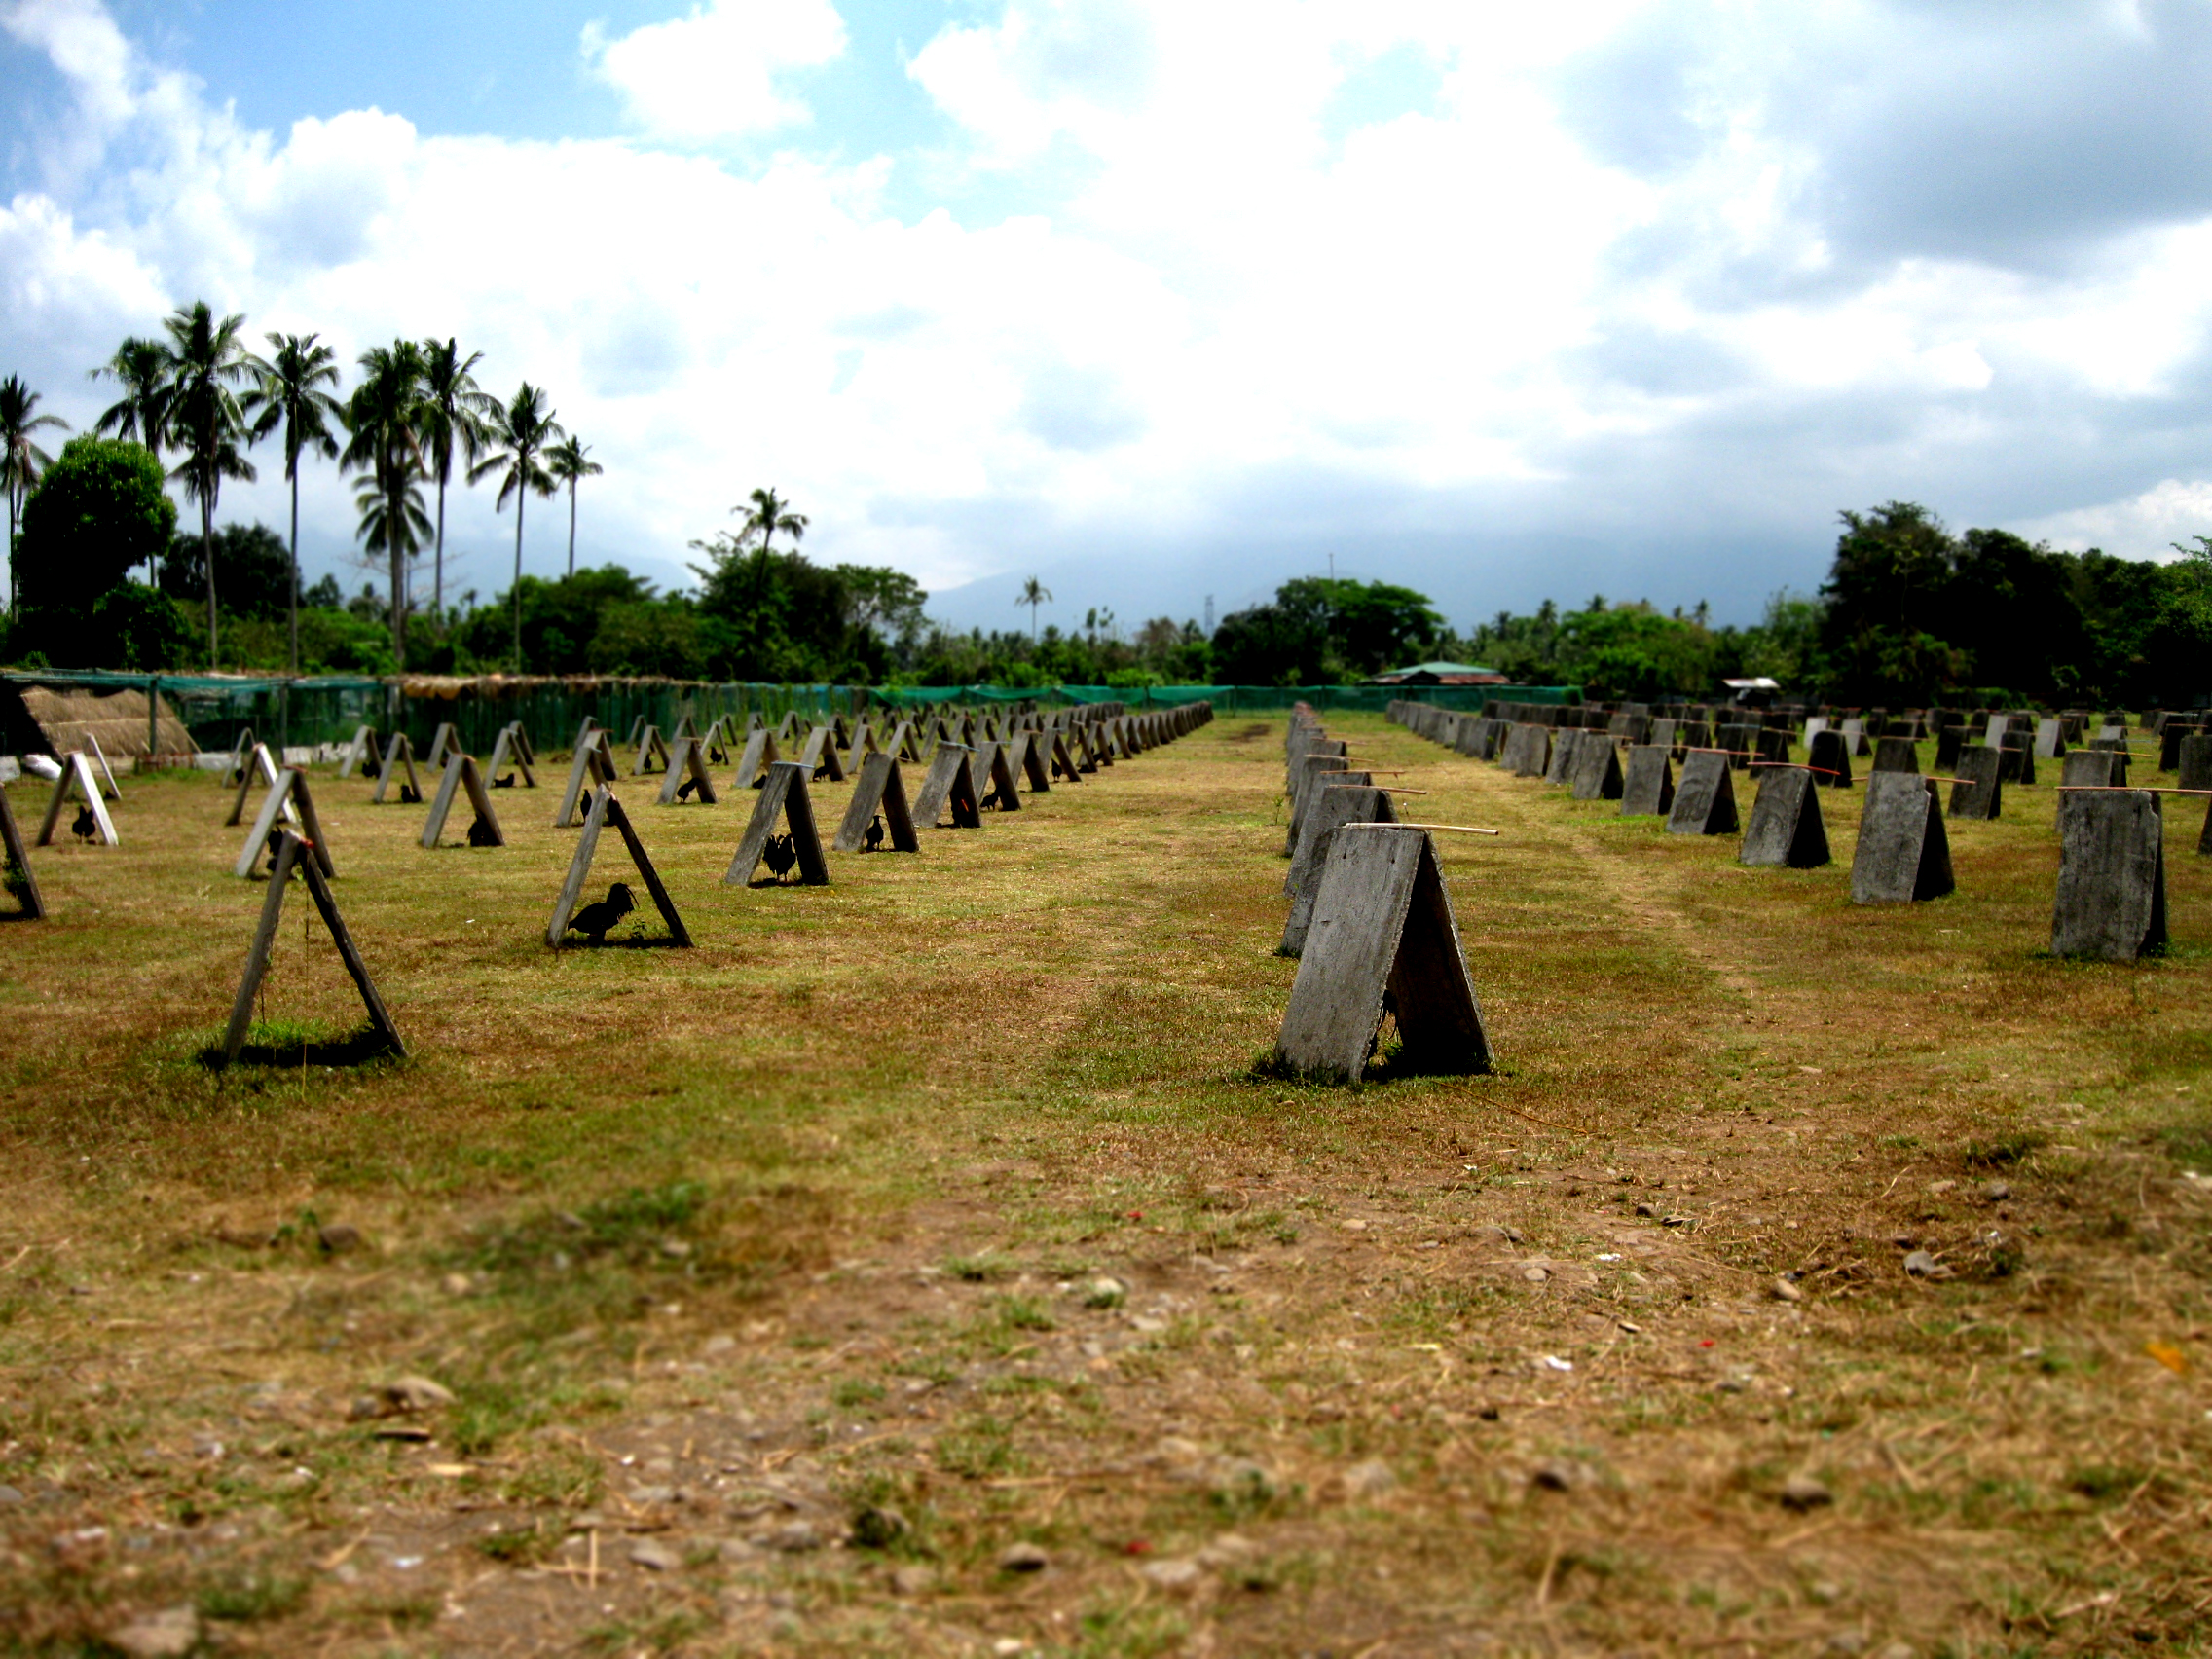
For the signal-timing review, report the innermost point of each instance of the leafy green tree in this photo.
(1631, 650)
(206, 360)
(517, 434)
(257, 571)
(385, 420)
(566, 461)
(560, 619)
(454, 420)
(1034, 593)
(289, 393)
(1321, 630)
(879, 599)
(98, 511)
(1272, 645)
(22, 460)
(141, 629)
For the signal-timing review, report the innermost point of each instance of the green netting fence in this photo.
(299, 712)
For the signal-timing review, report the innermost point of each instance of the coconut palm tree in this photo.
(1033, 594)
(567, 463)
(141, 414)
(21, 459)
(289, 393)
(454, 411)
(385, 417)
(519, 433)
(768, 512)
(392, 521)
(205, 422)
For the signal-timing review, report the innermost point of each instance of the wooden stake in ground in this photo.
(688, 760)
(1064, 765)
(651, 747)
(782, 795)
(1334, 806)
(605, 809)
(16, 864)
(1904, 853)
(444, 738)
(77, 774)
(760, 754)
(288, 850)
(1705, 802)
(512, 745)
(260, 766)
(1597, 774)
(241, 751)
(2112, 875)
(1383, 940)
(1979, 791)
(950, 785)
(879, 791)
(820, 755)
(108, 785)
(990, 767)
(594, 763)
(461, 773)
(292, 798)
(399, 751)
(361, 754)
(1648, 788)
(1027, 756)
(1785, 826)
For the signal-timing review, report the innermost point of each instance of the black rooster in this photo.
(409, 796)
(505, 783)
(593, 920)
(779, 855)
(85, 826)
(872, 841)
(481, 834)
(684, 789)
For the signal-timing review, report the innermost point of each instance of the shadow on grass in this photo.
(657, 941)
(361, 1048)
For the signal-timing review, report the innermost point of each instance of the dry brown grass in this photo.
(806, 1221)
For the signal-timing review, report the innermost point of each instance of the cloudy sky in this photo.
(1166, 298)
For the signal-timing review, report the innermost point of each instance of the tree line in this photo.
(1910, 613)
(417, 420)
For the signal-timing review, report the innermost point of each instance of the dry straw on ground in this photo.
(788, 1288)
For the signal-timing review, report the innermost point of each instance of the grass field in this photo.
(920, 1265)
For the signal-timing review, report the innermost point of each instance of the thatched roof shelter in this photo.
(54, 720)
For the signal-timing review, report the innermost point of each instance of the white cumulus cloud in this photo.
(713, 73)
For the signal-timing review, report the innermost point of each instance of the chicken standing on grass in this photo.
(593, 920)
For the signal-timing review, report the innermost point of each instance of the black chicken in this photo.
(872, 841)
(85, 826)
(683, 790)
(779, 855)
(505, 783)
(481, 834)
(409, 796)
(593, 920)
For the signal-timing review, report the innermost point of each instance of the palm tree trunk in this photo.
(395, 542)
(208, 563)
(295, 472)
(519, 495)
(438, 587)
(571, 527)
